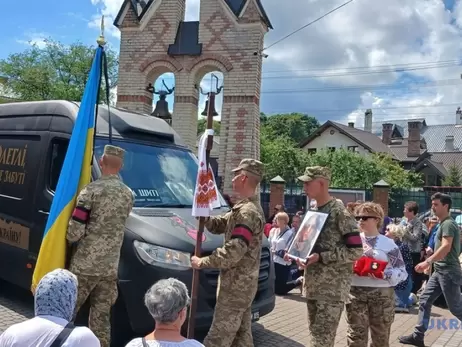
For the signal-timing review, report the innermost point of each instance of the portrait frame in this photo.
(304, 240)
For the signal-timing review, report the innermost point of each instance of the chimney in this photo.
(387, 130)
(351, 124)
(458, 116)
(449, 145)
(368, 120)
(413, 141)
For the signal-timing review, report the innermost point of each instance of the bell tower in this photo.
(229, 38)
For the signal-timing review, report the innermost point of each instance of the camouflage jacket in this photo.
(339, 246)
(239, 258)
(97, 226)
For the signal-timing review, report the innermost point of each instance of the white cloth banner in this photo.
(206, 192)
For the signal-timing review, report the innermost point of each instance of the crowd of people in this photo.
(361, 262)
(380, 265)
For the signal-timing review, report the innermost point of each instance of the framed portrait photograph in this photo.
(307, 235)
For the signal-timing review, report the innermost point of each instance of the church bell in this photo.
(161, 110)
(205, 113)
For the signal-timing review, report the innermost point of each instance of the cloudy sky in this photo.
(399, 57)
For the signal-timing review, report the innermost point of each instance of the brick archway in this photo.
(225, 39)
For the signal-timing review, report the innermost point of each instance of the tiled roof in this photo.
(447, 159)
(440, 167)
(435, 136)
(369, 139)
(400, 124)
(399, 149)
(364, 138)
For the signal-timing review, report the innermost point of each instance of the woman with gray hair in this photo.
(167, 301)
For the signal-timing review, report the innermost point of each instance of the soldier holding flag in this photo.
(97, 227)
(238, 260)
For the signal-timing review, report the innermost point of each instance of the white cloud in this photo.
(34, 38)
(370, 34)
(361, 34)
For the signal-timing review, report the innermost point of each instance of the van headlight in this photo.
(161, 256)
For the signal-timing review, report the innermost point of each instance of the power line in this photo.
(307, 25)
(374, 109)
(358, 73)
(455, 62)
(345, 74)
(400, 86)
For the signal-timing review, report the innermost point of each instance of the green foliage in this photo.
(454, 177)
(354, 170)
(55, 72)
(281, 157)
(295, 126)
(202, 125)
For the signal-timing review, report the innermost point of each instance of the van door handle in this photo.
(44, 212)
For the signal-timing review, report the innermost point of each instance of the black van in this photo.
(160, 170)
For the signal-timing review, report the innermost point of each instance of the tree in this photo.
(281, 157)
(202, 125)
(295, 126)
(454, 177)
(55, 72)
(354, 170)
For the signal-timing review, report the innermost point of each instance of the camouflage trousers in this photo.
(370, 308)
(231, 327)
(103, 294)
(323, 321)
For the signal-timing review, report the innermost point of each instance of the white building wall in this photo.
(336, 139)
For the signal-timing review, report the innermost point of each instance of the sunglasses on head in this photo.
(364, 218)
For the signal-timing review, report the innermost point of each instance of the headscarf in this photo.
(56, 295)
(386, 220)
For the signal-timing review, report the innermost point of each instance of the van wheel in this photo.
(121, 331)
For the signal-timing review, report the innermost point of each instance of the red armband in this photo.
(353, 240)
(243, 232)
(81, 215)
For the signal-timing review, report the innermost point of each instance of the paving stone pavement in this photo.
(286, 326)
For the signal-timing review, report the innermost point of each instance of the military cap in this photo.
(114, 150)
(313, 172)
(251, 165)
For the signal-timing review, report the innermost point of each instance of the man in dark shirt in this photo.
(447, 275)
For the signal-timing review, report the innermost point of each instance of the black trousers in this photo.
(417, 278)
(285, 281)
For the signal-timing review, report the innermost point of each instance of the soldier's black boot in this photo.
(411, 340)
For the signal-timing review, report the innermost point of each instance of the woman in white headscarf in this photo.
(55, 298)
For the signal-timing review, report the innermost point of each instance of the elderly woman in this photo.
(402, 289)
(167, 301)
(55, 298)
(286, 274)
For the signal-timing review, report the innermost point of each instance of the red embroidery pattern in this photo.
(206, 192)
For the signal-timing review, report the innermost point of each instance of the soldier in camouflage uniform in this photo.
(238, 260)
(96, 230)
(329, 268)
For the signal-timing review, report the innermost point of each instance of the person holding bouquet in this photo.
(376, 273)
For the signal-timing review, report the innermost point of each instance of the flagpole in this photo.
(200, 230)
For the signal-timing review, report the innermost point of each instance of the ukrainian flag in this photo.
(75, 174)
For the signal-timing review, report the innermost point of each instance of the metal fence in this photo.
(295, 198)
(422, 196)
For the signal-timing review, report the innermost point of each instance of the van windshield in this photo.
(159, 176)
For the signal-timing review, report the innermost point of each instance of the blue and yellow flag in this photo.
(75, 174)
